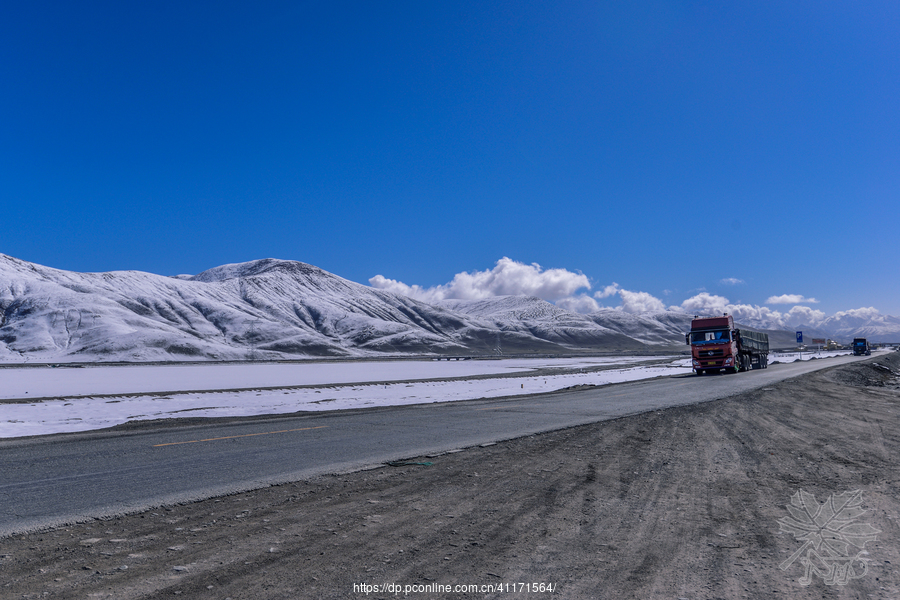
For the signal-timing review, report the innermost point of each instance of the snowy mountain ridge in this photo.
(265, 309)
(277, 309)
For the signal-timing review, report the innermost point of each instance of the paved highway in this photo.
(59, 479)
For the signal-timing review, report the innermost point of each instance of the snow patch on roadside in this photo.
(88, 413)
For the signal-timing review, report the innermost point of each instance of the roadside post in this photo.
(800, 343)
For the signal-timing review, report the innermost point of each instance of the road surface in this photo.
(59, 479)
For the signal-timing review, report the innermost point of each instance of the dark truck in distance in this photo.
(861, 347)
(716, 345)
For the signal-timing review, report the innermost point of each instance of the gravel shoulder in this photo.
(680, 503)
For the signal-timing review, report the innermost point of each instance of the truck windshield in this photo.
(710, 337)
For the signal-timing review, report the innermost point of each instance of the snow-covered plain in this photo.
(93, 398)
(786, 357)
(46, 382)
(275, 388)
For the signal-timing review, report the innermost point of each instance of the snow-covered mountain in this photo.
(658, 328)
(260, 309)
(865, 323)
(527, 315)
(264, 309)
(276, 309)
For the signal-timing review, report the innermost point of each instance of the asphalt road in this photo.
(59, 479)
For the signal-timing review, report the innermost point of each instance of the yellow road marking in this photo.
(230, 437)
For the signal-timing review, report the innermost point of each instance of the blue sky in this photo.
(666, 147)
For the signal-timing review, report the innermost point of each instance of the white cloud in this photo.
(413, 291)
(562, 286)
(705, 303)
(762, 317)
(855, 317)
(632, 302)
(639, 302)
(511, 278)
(858, 313)
(791, 299)
(802, 315)
(607, 291)
(508, 277)
(581, 303)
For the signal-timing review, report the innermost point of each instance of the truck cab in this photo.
(861, 347)
(713, 344)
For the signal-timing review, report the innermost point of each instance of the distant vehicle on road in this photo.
(716, 345)
(861, 347)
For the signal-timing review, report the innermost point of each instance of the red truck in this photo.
(717, 345)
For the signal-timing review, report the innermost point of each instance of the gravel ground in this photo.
(681, 503)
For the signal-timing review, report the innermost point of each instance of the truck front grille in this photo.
(711, 353)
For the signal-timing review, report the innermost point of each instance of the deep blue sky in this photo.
(664, 146)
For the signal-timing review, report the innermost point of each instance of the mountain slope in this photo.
(532, 316)
(261, 309)
(875, 327)
(662, 328)
(276, 309)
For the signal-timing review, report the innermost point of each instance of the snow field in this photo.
(89, 413)
(46, 382)
(331, 386)
(787, 357)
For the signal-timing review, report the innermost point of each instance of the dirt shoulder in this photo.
(680, 503)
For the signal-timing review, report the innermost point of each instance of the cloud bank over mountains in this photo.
(791, 299)
(508, 278)
(571, 291)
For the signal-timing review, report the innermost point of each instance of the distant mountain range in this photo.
(276, 309)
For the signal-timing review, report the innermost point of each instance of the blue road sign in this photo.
(799, 337)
